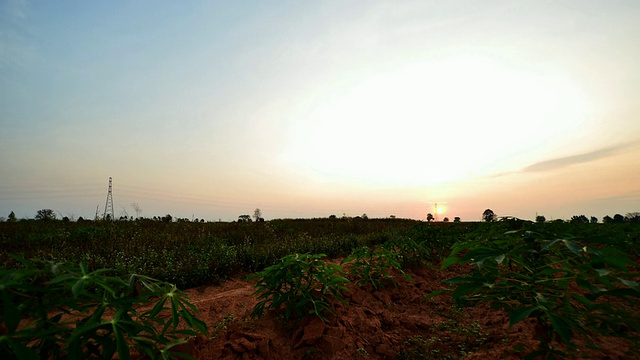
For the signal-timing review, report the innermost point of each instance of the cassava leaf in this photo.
(517, 315)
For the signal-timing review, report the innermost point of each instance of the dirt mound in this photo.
(394, 322)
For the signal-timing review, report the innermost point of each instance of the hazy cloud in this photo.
(562, 162)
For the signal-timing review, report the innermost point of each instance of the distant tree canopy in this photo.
(456, 219)
(45, 214)
(446, 219)
(12, 217)
(244, 218)
(581, 219)
(633, 217)
(430, 217)
(488, 215)
(594, 220)
(540, 219)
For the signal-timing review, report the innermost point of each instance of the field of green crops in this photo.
(563, 275)
(192, 254)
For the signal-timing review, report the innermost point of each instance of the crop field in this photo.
(82, 289)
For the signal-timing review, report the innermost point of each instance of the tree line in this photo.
(487, 216)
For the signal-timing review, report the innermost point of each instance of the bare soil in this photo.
(395, 322)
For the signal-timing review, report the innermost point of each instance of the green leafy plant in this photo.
(221, 326)
(374, 265)
(564, 284)
(56, 310)
(410, 253)
(303, 283)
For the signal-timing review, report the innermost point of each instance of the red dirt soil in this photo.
(396, 322)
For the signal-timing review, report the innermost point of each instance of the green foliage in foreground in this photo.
(303, 283)
(567, 286)
(55, 310)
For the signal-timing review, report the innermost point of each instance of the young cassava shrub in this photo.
(303, 283)
(374, 265)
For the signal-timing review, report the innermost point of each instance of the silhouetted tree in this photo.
(456, 219)
(392, 216)
(488, 215)
(365, 217)
(579, 219)
(430, 217)
(607, 219)
(594, 220)
(618, 218)
(244, 218)
(137, 209)
(12, 217)
(446, 219)
(257, 214)
(167, 218)
(45, 214)
(540, 219)
(332, 217)
(633, 217)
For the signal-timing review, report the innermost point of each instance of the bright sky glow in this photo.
(305, 109)
(426, 117)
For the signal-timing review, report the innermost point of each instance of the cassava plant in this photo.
(303, 283)
(57, 310)
(374, 265)
(567, 286)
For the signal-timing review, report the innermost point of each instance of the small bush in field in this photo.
(303, 283)
(56, 310)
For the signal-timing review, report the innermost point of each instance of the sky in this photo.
(211, 109)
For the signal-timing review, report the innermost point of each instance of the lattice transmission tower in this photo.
(108, 207)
